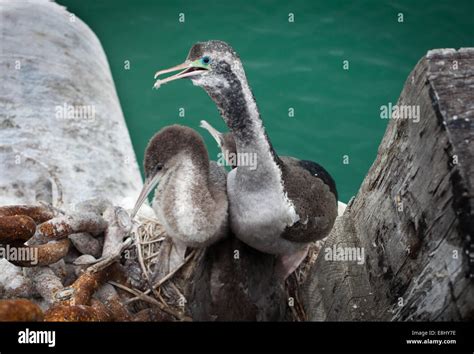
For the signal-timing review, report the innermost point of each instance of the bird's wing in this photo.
(313, 193)
(318, 171)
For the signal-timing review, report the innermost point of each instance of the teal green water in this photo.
(288, 64)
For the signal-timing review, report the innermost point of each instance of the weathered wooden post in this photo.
(413, 215)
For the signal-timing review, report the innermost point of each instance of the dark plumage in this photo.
(226, 288)
(314, 196)
(303, 173)
(281, 205)
(317, 170)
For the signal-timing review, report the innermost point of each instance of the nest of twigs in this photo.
(156, 284)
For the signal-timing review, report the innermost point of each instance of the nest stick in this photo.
(152, 301)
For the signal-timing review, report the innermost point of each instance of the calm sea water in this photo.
(295, 65)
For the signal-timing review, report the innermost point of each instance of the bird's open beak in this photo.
(148, 186)
(215, 133)
(188, 68)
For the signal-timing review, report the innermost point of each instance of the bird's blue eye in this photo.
(206, 60)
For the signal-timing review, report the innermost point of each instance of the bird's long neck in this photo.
(239, 110)
(187, 183)
(195, 168)
(190, 171)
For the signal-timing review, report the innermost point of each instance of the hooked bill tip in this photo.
(157, 84)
